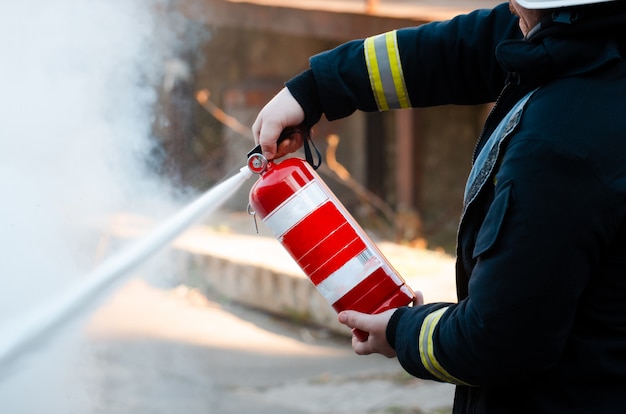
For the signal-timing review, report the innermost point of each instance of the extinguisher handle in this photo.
(307, 142)
(283, 136)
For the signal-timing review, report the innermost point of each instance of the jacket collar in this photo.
(565, 46)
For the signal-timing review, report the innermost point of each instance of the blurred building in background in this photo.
(407, 168)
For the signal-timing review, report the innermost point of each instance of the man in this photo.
(540, 325)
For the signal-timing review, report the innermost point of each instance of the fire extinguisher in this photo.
(323, 238)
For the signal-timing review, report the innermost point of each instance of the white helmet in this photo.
(553, 4)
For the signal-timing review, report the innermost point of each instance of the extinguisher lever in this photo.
(283, 136)
(255, 150)
(307, 143)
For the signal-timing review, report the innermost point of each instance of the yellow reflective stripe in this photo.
(385, 72)
(427, 351)
(374, 73)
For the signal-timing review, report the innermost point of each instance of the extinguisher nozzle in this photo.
(245, 171)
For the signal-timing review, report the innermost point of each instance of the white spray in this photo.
(23, 333)
(75, 118)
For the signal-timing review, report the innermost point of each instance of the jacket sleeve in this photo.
(541, 239)
(451, 62)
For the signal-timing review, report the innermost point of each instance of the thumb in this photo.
(354, 320)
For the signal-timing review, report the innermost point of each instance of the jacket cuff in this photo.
(304, 89)
(392, 325)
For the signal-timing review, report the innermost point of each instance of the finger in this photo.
(351, 319)
(361, 347)
(359, 336)
(268, 136)
(256, 129)
(418, 300)
(283, 148)
(289, 145)
(295, 142)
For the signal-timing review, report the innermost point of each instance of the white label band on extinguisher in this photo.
(302, 203)
(353, 272)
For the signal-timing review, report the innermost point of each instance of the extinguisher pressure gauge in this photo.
(257, 163)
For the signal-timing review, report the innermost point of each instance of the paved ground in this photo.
(174, 351)
(167, 349)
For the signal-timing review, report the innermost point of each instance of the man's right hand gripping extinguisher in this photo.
(322, 237)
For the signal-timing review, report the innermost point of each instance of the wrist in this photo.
(392, 325)
(304, 90)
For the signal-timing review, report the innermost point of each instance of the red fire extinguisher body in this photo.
(326, 242)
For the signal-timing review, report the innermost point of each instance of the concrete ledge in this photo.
(252, 270)
(272, 291)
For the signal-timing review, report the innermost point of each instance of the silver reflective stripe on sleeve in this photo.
(385, 71)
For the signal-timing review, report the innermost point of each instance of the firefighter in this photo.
(540, 322)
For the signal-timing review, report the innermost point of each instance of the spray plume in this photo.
(76, 112)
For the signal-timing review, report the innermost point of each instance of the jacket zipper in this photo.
(512, 81)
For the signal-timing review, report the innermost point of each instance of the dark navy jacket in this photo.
(540, 326)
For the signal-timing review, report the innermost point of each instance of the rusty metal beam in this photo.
(292, 21)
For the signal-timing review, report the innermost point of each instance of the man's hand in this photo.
(281, 112)
(375, 326)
